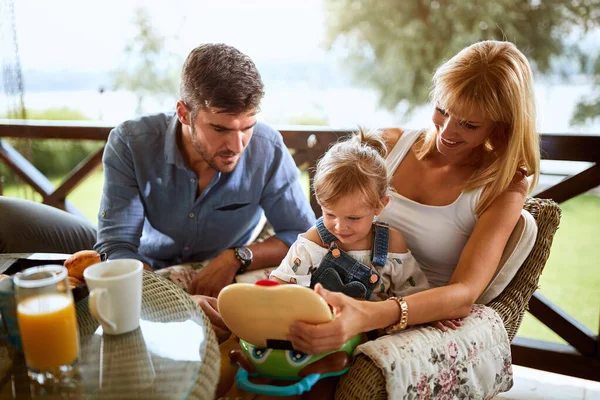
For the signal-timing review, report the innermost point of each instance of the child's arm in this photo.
(296, 266)
(397, 243)
(405, 272)
(313, 235)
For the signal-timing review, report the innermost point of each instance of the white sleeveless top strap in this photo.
(400, 149)
(436, 235)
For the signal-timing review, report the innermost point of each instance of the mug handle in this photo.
(96, 296)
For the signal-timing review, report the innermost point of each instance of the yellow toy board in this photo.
(259, 313)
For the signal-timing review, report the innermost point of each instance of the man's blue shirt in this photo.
(149, 210)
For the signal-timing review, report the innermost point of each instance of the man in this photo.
(185, 186)
(192, 185)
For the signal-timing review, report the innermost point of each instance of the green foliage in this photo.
(395, 46)
(309, 120)
(52, 157)
(588, 108)
(50, 114)
(57, 114)
(86, 197)
(149, 69)
(572, 268)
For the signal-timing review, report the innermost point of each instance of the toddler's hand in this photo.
(443, 325)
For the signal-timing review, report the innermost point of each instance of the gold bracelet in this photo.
(403, 320)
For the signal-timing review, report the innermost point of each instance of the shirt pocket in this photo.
(232, 206)
(231, 221)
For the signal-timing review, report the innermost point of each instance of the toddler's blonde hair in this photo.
(355, 166)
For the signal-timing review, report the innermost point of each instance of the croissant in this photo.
(79, 261)
(74, 282)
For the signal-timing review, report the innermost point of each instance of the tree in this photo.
(395, 46)
(149, 68)
(588, 108)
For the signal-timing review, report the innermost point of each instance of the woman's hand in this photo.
(443, 325)
(331, 335)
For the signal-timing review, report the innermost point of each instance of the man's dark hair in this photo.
(220, 76)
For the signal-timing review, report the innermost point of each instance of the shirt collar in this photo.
(172, 152)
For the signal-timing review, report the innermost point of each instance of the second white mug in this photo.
(115, 294)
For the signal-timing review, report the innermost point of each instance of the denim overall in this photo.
(339, 272)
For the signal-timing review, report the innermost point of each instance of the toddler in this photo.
(348, 250)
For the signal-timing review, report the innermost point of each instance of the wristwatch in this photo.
(244, 255)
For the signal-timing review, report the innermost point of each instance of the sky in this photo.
(82, 36)
(91, 35)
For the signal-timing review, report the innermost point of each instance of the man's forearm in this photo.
(267, 254)
(222, 269)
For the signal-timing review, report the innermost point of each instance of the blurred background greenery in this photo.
(54, 158)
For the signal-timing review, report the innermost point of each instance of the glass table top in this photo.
(172, 355)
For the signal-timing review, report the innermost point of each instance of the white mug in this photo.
(115, 294)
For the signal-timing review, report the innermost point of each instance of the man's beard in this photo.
(211, 161)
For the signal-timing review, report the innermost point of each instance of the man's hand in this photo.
(209, 306)
(219, 273)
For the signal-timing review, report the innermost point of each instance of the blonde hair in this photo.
(495, 78)
(353, 166)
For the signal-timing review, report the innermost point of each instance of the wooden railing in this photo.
(581, 357)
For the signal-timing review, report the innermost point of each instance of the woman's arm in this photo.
(397, 243)
(478, 262)
(476, 267)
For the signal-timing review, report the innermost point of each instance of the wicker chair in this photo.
(365, 380)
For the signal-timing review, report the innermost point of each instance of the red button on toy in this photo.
(266, 282)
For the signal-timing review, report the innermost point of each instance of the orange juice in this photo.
(48, 331)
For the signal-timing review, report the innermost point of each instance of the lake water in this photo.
(339, 107)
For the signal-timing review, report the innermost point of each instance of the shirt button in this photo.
(192, 180)
(191, 215)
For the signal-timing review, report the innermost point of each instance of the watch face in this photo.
(245, 253)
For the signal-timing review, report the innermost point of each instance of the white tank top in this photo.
(436, 235)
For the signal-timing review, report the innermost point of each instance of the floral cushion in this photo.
(473, 362)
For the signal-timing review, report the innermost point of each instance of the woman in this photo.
(458, 191)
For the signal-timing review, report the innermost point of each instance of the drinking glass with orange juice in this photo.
(46, 315)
